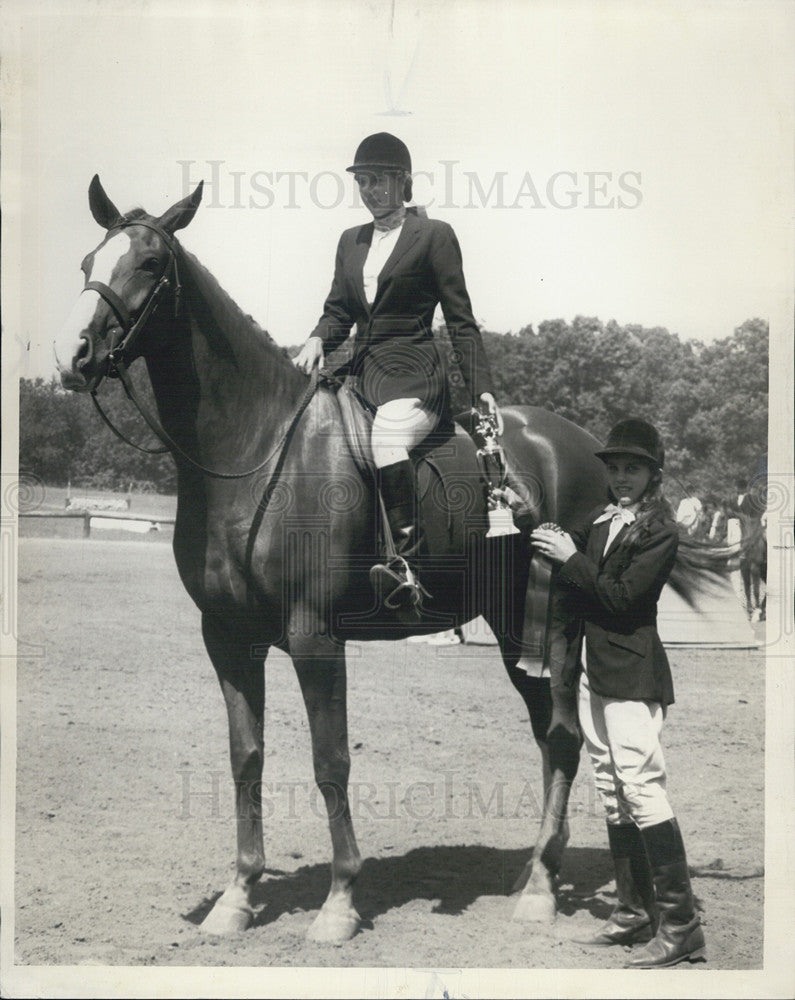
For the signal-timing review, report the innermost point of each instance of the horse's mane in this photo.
(225, 314)
(225, 311)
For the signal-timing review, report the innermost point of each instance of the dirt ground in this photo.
(124, 814)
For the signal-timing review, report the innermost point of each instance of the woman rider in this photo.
(389, 277)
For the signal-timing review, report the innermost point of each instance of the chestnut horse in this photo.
(753, 555)
(276, 529)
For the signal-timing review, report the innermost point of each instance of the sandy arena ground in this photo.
(125, 826)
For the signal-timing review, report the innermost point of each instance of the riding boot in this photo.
(679, 936)
(395, 580)
(634, 918)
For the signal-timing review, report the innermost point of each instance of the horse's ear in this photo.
(179, 215)
(102, 208)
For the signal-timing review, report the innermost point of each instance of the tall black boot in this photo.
(679, 937)
(395, 580)
(634, 918)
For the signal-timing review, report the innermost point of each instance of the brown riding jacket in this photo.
(394, 350)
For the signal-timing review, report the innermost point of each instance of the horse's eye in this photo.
(151, 264)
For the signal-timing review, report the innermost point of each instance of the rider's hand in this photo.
(508, 496)
(491, 403)
(309, 355)
(555, 545)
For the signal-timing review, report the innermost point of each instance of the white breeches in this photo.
(399, 426)
(623, 742)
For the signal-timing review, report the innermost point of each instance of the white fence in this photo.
(104, 519)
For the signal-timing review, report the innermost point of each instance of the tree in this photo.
(710, 402)
(62, 439)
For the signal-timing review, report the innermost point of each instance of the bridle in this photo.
(131, 331)
(118, 358)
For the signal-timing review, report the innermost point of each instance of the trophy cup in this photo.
(492, 459)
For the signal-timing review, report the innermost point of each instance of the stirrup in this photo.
(407, 591)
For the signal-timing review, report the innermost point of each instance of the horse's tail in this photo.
(699, 563)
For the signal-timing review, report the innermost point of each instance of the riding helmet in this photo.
(381, 151)
(635, 437)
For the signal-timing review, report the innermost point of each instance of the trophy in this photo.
(492, 459)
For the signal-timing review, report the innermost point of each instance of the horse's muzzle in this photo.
(75, 377)
(74, 381)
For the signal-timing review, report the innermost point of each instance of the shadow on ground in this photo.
(453, 877)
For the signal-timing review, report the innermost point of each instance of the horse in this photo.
(277, 526)
(753, 558)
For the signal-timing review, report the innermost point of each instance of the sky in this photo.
(626, 161)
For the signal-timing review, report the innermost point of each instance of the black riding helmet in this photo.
(384, 151)
(634, 437)
(381, 151)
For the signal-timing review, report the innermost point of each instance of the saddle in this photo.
(452, 494)
(451, 483)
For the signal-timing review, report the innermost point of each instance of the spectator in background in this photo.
(689, 513)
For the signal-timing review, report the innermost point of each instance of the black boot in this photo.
(395, 580)
(634, 917)
(679, 937)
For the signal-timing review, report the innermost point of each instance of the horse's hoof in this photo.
(223, 919)
(230, 914)
(334, 925)
(535, 908)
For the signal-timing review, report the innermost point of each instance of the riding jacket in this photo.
(609, 600)
(394, 353)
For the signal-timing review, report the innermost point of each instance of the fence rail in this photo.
(107, 515)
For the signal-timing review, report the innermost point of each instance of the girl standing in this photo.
(611, 573)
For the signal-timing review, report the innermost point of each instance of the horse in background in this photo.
(746, 529)
(753, 556)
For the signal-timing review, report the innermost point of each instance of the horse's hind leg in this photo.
(745, 576)
(560, 746)
(553, 716)
(242, 679)
(320, 665)
(759, 603)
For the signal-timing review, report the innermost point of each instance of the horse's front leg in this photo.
(320, 665)
(242, 679)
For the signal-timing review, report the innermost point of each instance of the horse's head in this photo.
(126, 277)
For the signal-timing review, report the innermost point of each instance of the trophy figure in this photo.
(492, 459)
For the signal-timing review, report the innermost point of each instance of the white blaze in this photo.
(67, 343)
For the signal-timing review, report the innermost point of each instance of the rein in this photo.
(172, 446)
(147, 451)
(131, 331)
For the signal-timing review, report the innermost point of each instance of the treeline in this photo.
(710, 403)
(63, 439)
